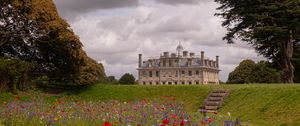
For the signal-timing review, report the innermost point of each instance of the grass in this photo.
(262, 104)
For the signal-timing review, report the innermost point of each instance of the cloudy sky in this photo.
(114, 32)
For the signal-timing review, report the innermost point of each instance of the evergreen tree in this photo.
(271, 26)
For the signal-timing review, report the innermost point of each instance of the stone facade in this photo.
(182, 68)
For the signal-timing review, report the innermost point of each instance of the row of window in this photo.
(171, 83)
(157, 73)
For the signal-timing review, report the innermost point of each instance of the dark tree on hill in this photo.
(112, 80)
(127, 79)
(250, 72)
(262, 72)
(271, 26)
(241, 73)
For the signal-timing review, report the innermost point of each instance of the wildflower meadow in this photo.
(73, 112)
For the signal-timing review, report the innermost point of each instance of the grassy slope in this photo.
(262, 104)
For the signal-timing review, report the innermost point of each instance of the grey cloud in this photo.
(175, 2)
(116, 39)
(70, 9)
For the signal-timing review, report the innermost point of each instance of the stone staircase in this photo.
(214, 100)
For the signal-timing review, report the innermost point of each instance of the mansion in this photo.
(181, 68)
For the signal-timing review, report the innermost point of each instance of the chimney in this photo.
(173, 55)
(202, 58)
(192, 54)
(140, 60)
(185, 53)
(217, 61)
(166, 54)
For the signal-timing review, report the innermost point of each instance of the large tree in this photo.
(250, 72)
(241, 73)
(271, 26)
(32, 30)
(127, 79)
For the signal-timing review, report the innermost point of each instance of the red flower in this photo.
(182, 123)
(215, 113)
(17, 98)
(106, 124)
(88, 110)
(162, 125)
(203, 122)
(166, 121)
(172, 98)
(210, 120)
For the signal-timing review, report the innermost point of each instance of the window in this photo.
(190, 82)
(144, 83)
(157, 83)
(190, 73)
(197, 72)
(164, 63)
(150, 73)
(182, 82)
(175, 82)
(182, 72)
(170, 83)
(197, 82)
(164, 82)
(170, 62)
(157, 73)
(144, 73)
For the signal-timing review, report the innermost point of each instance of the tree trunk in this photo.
(287, 66)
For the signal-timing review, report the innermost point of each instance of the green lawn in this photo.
(272, 104)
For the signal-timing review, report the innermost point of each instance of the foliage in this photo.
(272, 27)
(296, 61)
(127, 79)
(48, 41)
(263, 73)
(112, 80)
(14, 74)
(241, 73)
(250, 72)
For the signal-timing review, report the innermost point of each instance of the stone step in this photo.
(218, 94)
(220, 91)
(215, 99)
(212, 103)
(202, 110)
(211, 107)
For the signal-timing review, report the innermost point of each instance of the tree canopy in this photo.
(33, 31)
(250, 72)
(127, 78)
(271, 26)
(241, 73)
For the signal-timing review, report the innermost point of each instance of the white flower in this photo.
(228, 113)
